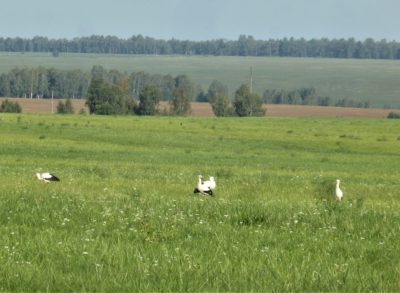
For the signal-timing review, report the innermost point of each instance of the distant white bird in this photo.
(338, 191)
(205, 187)
(47, 177)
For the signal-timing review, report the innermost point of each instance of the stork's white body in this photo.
(338, 191)
(47, 177)
(210, 183)
(205, 187)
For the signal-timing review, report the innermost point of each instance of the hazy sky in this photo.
(202, 19)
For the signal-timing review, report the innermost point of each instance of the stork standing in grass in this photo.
(338, 191)
(47, 177)
(205, 187)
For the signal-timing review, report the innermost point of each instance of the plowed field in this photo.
(204, 109)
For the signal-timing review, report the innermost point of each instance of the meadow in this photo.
(124, 216)
(364, 80)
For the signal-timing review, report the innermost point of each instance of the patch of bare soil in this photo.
(204, 109)
(45, 105)
(318, 111)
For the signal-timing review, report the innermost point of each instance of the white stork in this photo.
(338, 191)
(47, 177)
(205, 187)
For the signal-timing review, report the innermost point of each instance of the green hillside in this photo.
(376, 81)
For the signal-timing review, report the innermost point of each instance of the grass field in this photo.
(361, 80)
(124, 218)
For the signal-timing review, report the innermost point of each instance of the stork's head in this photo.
(337, 181)
(212, 178)
(38, 176)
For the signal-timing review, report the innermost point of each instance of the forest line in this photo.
(245, 45)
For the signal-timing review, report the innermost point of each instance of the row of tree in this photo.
(122, 87)
(44, 83)
(243, 46)
(308, 96)
(49, 82)
(112, 99)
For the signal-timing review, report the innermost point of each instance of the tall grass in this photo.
(124, 218)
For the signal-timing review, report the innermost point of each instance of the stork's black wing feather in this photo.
(53, 178)
(209, 192)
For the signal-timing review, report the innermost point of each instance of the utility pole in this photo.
(251, 79)
(52, 111)
(31, 84)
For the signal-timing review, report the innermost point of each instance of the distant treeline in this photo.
(244, 46)
(308, 96)
(45, 83)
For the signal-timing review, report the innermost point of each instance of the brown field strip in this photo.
(204, 109)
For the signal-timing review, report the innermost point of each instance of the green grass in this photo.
(124, 218)
(360, 80)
